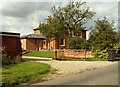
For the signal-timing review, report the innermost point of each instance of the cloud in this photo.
(105, 9)
(24, 9)
(23, 16)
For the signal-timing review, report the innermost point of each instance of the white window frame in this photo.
(63, 42)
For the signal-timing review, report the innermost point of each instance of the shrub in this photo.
(117, 48)
(101, 54)
(6, 59)
(76, 43)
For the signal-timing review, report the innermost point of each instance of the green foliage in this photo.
(103, 37)
(6, 59)
(101, 54)
(52, 29)
(73, 16)
(117, 48)
(76, 43)
(46, 54)
(87, 45)
(23, 72)
(67, 20)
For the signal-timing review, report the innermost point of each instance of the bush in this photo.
(117, 48)
(101, 54)
(6, 59)
(76, 43)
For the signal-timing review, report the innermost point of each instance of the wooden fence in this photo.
(70, 54)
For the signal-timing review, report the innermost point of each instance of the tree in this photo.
(72, 17)
(68, 20)
(104, 36)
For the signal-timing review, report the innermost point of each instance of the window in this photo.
(62, 42)
(44, 42)
(80, 34)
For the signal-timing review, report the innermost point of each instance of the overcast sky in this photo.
(21, 16)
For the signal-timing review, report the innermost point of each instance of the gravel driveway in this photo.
(73, 67)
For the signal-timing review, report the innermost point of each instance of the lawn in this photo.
(23, 72)
(45, 54)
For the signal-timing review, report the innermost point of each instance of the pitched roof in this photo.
(10, 34)
(37, 28)
(34, 36)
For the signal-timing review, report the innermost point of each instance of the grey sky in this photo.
(22, 17)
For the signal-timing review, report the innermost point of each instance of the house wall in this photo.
(12, 45)
(55, 44)
(63, 46)
(30, 44)
(35, 44)
(23, 42)
(51, 45)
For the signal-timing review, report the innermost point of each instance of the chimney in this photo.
(48, 19)
(37, 31)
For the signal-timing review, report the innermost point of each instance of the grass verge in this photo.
(87, 59)
(96, 59)
(23, 72)
(46, 54)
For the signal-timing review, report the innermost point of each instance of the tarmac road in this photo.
(107, 75)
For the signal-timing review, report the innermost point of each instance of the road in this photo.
(107, 75)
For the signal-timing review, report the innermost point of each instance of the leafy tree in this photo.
(72, 17)
(104, 36)
(67, 20)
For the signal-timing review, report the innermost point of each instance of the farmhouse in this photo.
(37, 41)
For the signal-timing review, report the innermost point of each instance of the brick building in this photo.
(34, 41)
(37, 41)
(11, 43)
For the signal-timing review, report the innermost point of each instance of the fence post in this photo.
(85, 54)
(55, 54)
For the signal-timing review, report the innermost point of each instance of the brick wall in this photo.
(30, 44)
(34, 44)
(12, 45)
